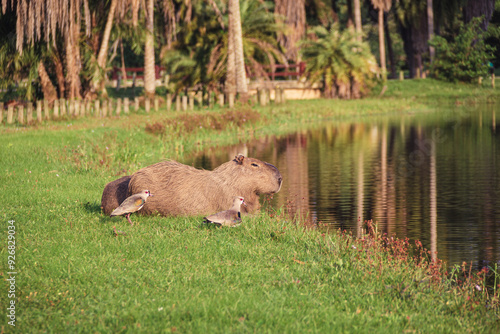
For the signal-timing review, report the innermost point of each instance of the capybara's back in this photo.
(179, 189)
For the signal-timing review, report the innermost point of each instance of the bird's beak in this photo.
(245, 204)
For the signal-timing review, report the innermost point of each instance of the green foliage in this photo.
(18, 71)
(345, 66)
(465, 57)
(199, 55)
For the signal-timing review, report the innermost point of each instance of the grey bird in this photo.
(131, 204)
(231, 217)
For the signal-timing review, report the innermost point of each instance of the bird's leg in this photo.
(128, 218)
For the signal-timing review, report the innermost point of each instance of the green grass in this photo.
(171, 274)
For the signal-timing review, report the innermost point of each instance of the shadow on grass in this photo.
(92, 207)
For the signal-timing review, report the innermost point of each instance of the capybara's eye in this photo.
(255, 165)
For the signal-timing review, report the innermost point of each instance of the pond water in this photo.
(431, 176)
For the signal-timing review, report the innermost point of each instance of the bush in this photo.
(345, 66)
(464, 58)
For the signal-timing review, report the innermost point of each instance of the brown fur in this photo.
(114, 194)
(184, 190)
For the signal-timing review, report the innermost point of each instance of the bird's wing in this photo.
(224, 217)
(139, 201)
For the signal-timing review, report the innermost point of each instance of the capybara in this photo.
(184, 190)
(114, 194)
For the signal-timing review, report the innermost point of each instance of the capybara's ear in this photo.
(239, 159)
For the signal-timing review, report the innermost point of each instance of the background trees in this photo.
(67, 47)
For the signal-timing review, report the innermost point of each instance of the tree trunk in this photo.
(72, 71)
(241, 80)
(476, 8)
(415, 40)
(99, 78)
(381, 41)
(59, 73)
(294, 14)
(149, 52)
(390, 51)
(430, 24)
(124, 72)
(231, 62)
(48, 89)
(350, 16)
(357, 20)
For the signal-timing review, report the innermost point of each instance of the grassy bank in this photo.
(171, 274)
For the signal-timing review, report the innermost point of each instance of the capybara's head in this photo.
(261, 176)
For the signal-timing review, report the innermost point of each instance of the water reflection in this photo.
(431, 177)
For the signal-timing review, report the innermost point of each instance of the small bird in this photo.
(131, 204)
(231, 217)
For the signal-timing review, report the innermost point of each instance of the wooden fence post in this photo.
(62, 105)
(46, 110)
(90, 111)
(126, 108)
(184, 103)
(1, 112)
(157, 104)
(147, 104)
(169, 101)
(29, 111)
(56, 109)
(39, 111)
(277, 95)
(262, 96)
(210, 100)
(20, 114)
(221, 100)
(118, 106)
(136, 103)
(191, 102)
(104, 108)
(10, 114)
(401, 75)
(493, 80)
(71, 107)
(230, 100)
(97, 108)
(199, 97)
(79, 108)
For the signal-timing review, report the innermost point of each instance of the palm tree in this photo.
(241, 81)
(430, 23)
(149, 52)
(230, 82)
(343, 64)
(357, 20)
(103, 51)
(382, 6)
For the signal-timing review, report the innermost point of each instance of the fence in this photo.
(273, 71)
(290, 71)
(29, 114)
